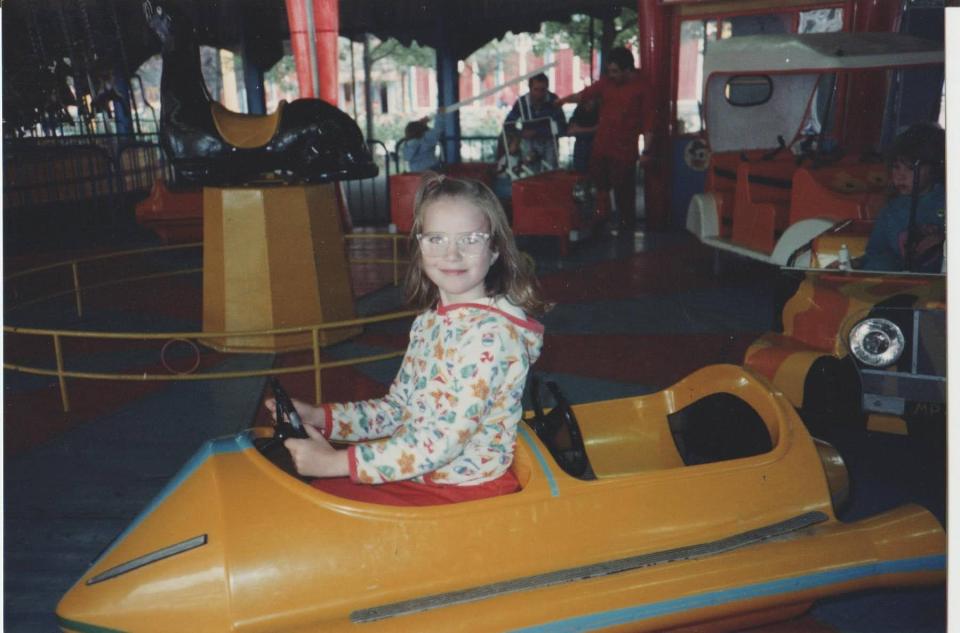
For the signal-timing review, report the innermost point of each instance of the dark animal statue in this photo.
(307, 140)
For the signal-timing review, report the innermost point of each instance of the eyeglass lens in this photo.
(467, 243)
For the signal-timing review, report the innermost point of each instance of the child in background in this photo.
(420, 145)
(583, 126)
(890, 239)
(446, 430)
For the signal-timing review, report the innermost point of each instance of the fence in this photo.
(113, 171)
(70, 169)
(486, 149)
(66, 279)
(369, 199)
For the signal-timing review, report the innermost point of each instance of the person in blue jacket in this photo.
(893, 244)
(420, 145)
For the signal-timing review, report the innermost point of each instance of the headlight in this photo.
(876, 342)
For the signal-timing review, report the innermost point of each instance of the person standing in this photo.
(613, 159)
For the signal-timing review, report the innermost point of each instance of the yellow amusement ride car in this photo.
(706, 504)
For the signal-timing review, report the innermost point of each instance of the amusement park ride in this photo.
(773, 185)
(803, 205)
(720, 534)
(273, 245)
(706, 505)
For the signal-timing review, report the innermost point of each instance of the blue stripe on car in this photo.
(554, 490)
(82, 627)
(220, 445)
(629, 615)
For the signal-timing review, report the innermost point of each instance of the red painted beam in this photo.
(326, 29)
(326, 16)
(654, 57)
(300, 44)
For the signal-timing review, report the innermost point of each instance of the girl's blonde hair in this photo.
(510, 275)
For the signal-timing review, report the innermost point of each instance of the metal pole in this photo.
(353, 81)
(326, 33)
(367, 88)
(396, 262)
(592, 37)
(312, 40)
(76, 288)
(64, 398)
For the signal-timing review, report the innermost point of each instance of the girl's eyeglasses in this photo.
(468, 244)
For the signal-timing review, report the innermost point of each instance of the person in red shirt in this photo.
(613, 160)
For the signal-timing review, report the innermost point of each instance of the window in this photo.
(694, 35)
(748, 90)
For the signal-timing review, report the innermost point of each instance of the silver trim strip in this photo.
(585, 572)
(903, 374)
(152, 557)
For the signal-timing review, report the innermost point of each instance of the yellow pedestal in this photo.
(273, 257)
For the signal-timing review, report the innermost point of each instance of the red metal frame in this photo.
(659, 28)
(326, 27)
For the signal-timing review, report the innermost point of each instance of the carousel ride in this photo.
(273, 243)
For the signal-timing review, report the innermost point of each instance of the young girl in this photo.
(447, 427)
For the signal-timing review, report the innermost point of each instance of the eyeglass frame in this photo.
(485, 235)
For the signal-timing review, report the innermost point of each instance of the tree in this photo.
(401, 56)
(575, 34)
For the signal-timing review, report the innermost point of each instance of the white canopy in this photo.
(818, 51)
(794, 64)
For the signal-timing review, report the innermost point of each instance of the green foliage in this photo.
(284, 75)
(401, 56)
(627, 31)
(575, 34)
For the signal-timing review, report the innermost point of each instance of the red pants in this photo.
(620, 175)
(411, 493)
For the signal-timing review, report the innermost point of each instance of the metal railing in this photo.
(40, 172)
(77, 290)
(65, 169)
(317, 366)
(484, 149)
(368, 200)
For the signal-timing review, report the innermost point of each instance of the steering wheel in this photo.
(288, 425)
(560, 432)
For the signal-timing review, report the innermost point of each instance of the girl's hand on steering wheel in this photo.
(309, 414)
(315, 457)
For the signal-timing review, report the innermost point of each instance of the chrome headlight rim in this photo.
(876, 342)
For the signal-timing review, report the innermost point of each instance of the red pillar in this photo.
(326, 16)
(326, 28)
(862, 121)
(300, 45)
(655, 66)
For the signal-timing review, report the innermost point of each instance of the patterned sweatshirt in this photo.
(451, 414)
